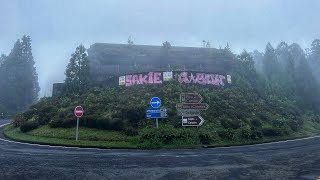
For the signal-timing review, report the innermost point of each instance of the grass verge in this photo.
(66, 136)
(89, 137)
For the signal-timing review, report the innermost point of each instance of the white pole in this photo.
(77, 131)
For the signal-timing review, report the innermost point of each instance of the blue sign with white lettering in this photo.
(153, 110)
(156, 115)
(155, 102)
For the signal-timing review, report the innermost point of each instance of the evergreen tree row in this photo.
(18, 78)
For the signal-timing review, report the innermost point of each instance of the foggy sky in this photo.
(57, 27)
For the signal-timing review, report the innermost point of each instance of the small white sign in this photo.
(229, 79)
(167, 76)
(122, 80)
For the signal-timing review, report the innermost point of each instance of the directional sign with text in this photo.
(155, 102)
(188, 112)
(192, 121)
(198, 106)
(190, 107)
(191, 98)
(156, 113)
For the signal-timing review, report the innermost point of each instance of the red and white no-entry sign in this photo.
(78, 111)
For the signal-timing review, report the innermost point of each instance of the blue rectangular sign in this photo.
(156, 110)
(153, 110)
(156, 115)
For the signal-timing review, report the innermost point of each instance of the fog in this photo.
(58, 27)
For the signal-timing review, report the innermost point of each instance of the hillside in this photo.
(277, 102)
(234, 115)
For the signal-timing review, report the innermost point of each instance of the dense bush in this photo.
(18, 120)
(129, 131)
(229, 134)
(271, 131)
(256, 133)
(29, 125)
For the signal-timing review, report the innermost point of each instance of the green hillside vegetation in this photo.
(277, 103)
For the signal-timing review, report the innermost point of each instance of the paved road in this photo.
(298, 159)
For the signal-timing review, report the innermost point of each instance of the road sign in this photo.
(188, 112)
(192, 121)
(190, 98)
(189, 108)
(155, 102)
(78, 111)
(156, 110)
(198, 106)
(156, 115)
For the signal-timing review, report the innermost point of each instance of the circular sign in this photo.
(78, 111)
(155, 102)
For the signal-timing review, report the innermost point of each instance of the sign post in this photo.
(78, 112)
(189, 108)
(156, 112)
(157, 125)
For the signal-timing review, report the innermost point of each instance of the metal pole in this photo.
(77, 131)
(157, 123)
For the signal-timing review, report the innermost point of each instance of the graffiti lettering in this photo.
(182, 77)
(150, 78)
(201, 78)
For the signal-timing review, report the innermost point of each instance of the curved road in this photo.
(298, 159)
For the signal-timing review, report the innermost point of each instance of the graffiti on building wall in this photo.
(181, 77)
(201, 78)
(143, 78)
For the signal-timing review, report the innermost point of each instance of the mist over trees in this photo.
(18, 78)
(290, 71)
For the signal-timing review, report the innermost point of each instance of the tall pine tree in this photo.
(307, 88)
(270, 64)
(19, 77)
(31, 73)
(78, 72)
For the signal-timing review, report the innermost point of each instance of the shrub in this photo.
(231, 123)
(295, 124)
(116, 124)
(135, 116)
(205, 138)
(280, 122)
(29, 125)
(164, 135)
(245, 131)
(69, 122)
(100, 123)
(256, 133)
(18, 120)
(56, 122)
(129, 131)
(256, 123)
(227, 133)
(272, 132)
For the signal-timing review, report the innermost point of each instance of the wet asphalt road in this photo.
(299, 159)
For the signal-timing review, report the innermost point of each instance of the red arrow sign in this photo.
(78, 111)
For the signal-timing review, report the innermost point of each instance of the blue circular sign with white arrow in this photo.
(155, 102)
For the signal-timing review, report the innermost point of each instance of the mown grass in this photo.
(89, 137)
(66, 136)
